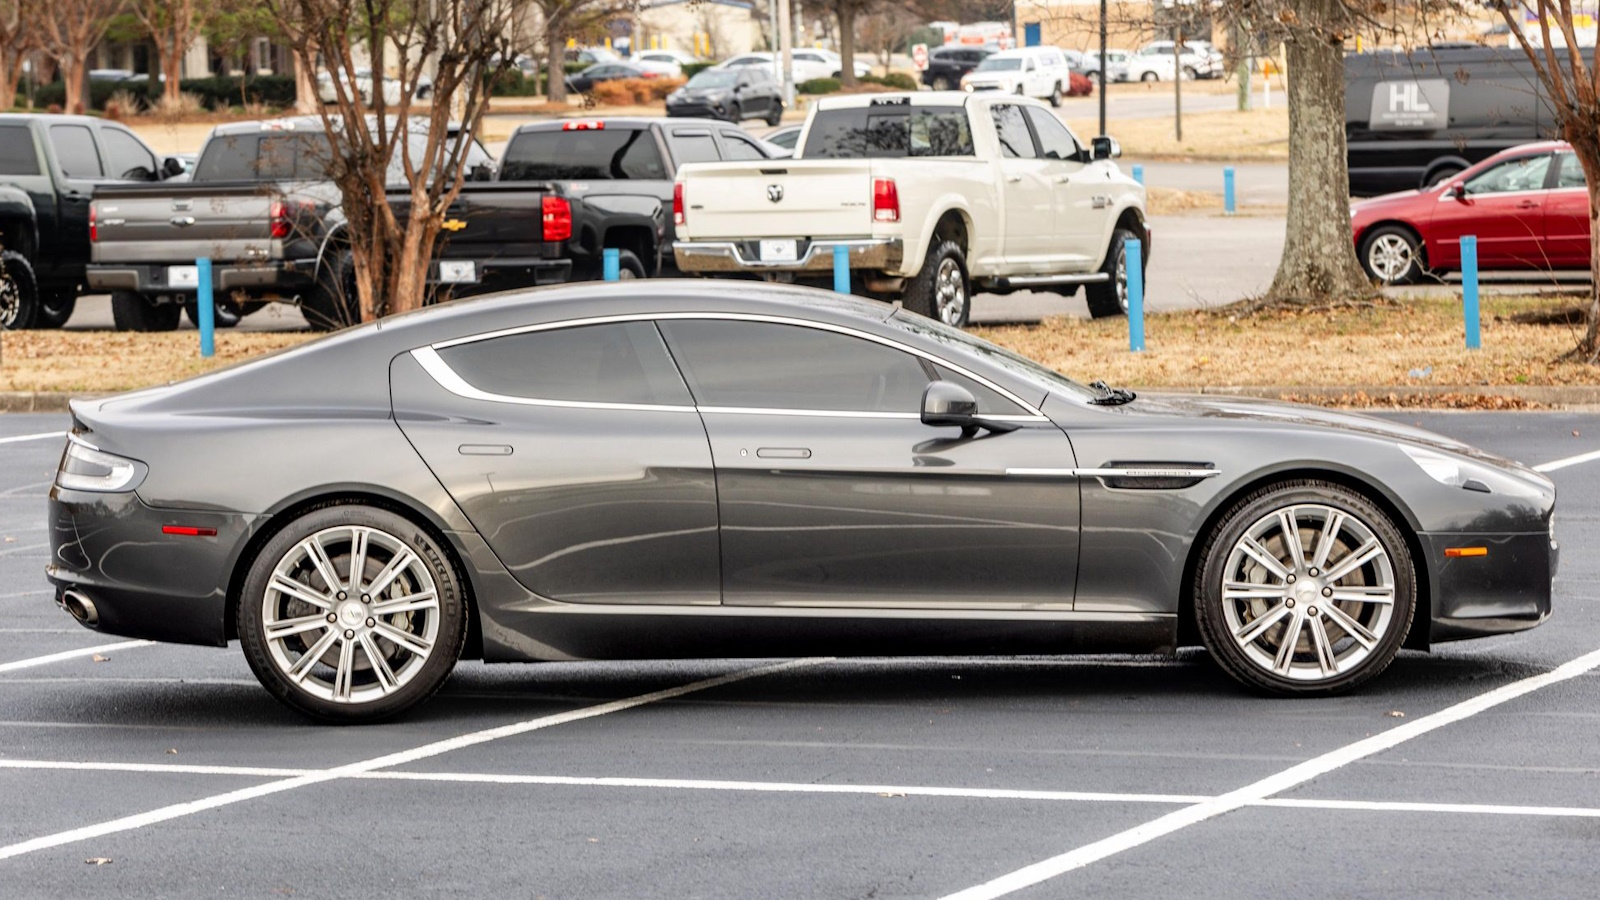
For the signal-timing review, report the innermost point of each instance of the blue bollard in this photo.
(206, 308)
(1138, 173)
(841, 268)
(1134, 249)
(1469, 289)
(611, 264)
(1227, 190)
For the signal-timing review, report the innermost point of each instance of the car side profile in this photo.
(1527, 206)
(689, 469)
(1040, 72)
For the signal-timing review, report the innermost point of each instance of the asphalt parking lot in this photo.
(1042, 776)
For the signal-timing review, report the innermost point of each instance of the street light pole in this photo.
(785, 51)
(1102, 66)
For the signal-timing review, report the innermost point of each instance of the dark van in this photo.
(1415, 119)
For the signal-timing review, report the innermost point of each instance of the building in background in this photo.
(713, 29)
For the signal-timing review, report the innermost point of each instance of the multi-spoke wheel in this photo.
(1305, 588)
(351, 614)
(941, 289)
(1392, 255)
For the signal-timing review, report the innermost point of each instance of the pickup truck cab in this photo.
(930, 194)
(1041, 72)
(49, 167)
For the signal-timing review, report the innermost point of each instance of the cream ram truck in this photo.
(933, 195)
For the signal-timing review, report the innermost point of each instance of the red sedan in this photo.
(1528, 206)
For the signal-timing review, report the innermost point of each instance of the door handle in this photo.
(1063, 179)
(484, 449)
(1527, 204)
(783, 453)
(1013, 179)
(182, 221)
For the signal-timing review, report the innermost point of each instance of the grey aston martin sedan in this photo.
(671, 469)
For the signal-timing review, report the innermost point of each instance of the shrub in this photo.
(215, 92)
(185, 104)
(690, 70)
(515, 84)
(900, 81)
(819, 86)
(122, 104)
(657, 89)
(618, 92)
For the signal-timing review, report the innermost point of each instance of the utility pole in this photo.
(785, 50)
(1177, 80)
(1103, 66)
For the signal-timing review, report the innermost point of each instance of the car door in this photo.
(1027, 195)
(78, 170)
(576, 453)
(832, 493)
(126, 157)
(1081, 192)
(1566, 215)
(736, 147)
(1504, 207)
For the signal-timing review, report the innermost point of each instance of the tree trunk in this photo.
(847, 43)
(72, 72)
(170, 59)
(1319, 256)
(10, 77)
(306, 100)
(555, 68)
(1588, 153)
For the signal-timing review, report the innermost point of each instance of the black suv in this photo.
(744, 92)
(946, 65)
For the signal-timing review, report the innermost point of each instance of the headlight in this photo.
(1457, 471)
(86, 468)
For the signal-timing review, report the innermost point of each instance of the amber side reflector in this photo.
(188, 531)
(1454, 552)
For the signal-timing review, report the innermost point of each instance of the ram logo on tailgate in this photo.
(775, 192)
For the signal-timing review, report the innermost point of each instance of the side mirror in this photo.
(481, 172)
(171, 167)
(1458, 191)
(946, 405)
(1104, 147)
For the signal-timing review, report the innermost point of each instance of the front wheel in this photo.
(352, 614)
(1149, 76)
(19, 293)
(332, 302)
(1110, 297)
(1392, 255)
(1305, 588)
(775, 114)
(1055, 95)
(735, 113)
(941, 289)
(136, 312)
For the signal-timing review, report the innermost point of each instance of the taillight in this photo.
(280, 227)
(678, 216)
(587, 125)
(885, 200)
(94, 224)
(557, 218)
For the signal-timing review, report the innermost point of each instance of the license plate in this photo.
(183, 276)
(779, 251)
(453, 272)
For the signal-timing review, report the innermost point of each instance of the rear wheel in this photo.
(1110, 297)
(1149, 76)
(332, 303)
(352, 614)
(226, 313)
(19, 292)
(941, 289)
(1055, 95)
(56, 306)
(136, 312)
(1305, 588)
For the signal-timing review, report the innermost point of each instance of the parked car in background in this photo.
(591, 55)
(784, 138)
(392, 88)
(672, 57)
(1028, 72)
(50, 165)
(1194, 56)
(930, 193)
(1116, 61)
(946, 65)
(1528, 207)
(584, 82)
(625, 166)
(745, 92)
(809, 64)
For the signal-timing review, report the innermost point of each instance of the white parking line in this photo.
(1273, 784)
(1562, 463)
(33, 437)
(178, 810)
(71, 654)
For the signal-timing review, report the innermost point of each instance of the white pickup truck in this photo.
(933, 194)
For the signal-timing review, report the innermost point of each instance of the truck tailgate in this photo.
(777, 198)
(173, 225)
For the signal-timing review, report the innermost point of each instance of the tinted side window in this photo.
(889, 133)
(614, 154)
(270, 157)
(693, 147)
(1571, 172)
(1055, 140)
(17, 156)
(619, 363)
(735, 147)
(765, 366)
(125, 156)
(75, 153)
(1015, 141)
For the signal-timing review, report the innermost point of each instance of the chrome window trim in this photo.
(435, 366)
(1128, 472)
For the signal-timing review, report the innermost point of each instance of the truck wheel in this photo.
(333, 302)
(227, 313)
(56, 307)
(136, 312)
(19, 293)
(1110, 298)
(1055, 95)
(941, 83)
(941, 290)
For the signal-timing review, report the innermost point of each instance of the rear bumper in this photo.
(287, 277)
(1504, 591)
(813, 255)
(505, 273)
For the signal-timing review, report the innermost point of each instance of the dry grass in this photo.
(1160, 201)
(101, 361)
(1261, 134)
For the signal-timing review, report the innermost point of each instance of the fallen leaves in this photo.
(98, 658)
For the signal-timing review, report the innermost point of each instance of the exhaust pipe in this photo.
(81, 607)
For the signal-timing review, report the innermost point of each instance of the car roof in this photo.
(923, 98)
(616, 122)
(54, 118)
(1532, 148)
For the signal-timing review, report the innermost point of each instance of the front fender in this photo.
(19, 224)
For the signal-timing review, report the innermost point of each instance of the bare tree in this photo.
(173, 26)
(886, 30)
(1572, 84)
(578, 19)
(379, 132)
(69, 31)
(847, 12)
(17, 35)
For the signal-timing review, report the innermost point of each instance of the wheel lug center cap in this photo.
(352, 614)
(1305, 590)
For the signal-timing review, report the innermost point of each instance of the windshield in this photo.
(888, 132)
(1020, 366)
(1009, 64)
(713, 79)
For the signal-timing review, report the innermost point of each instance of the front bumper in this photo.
(143, 583)
(700, 109)
(282, 278)
(812, 255)
(1506, 590)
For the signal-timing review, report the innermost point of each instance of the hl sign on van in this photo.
(1420, 103)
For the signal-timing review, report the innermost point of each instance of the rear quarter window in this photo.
(609, 154)
(889, 133)
(17, 155)
(625, 362)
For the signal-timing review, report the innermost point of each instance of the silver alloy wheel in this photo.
(1390, 256)
(10, 302)
(950, 292)
(1308, 592)
(1121, 277)
(351, 614)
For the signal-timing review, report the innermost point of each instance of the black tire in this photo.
(1191, 73)
(1149, 76)
(941, 83)
(333, 302)
(423, 674)
(922, 291)
(1055, 96)
(1250, 667)
(1386, 249)
(775, 114)
(56, 307)
(19, 292)
(1110, 298)
(226, 313)
(136, 312)
(735, 113)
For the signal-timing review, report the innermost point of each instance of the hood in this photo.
(1386, 200)
(990, 76)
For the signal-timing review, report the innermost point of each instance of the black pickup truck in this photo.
(260, 206)
(49, 166)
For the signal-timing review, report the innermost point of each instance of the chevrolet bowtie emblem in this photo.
(453, 225)
(774, 192)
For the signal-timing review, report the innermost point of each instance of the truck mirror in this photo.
(171, 167)
(1104, 147)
